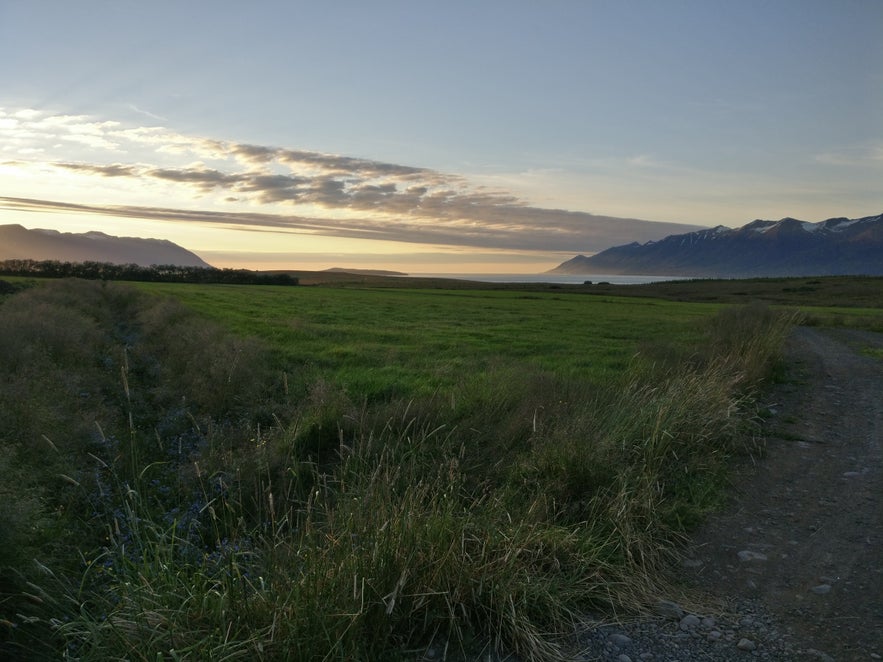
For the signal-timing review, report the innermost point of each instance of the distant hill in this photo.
(789, 247)
(19, 243)
(365, 272)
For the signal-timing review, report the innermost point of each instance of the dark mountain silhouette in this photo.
(19, 243)
(789, 247)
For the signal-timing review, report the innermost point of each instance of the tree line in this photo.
(160, 273)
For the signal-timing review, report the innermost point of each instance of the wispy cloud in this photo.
(146, 113)
(646, 161)
(297, 190)
(861, 155)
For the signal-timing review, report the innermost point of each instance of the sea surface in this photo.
(563, 279)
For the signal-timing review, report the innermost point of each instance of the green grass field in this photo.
(337, 473)
(382, 342)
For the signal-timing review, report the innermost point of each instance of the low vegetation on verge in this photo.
(174, 491)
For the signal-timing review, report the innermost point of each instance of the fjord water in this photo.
(562, 279)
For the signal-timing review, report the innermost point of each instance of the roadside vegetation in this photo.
(224, 472)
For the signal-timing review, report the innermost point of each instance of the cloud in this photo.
(649, 161)
(146, 113)
(254, 153)
(67, 128)
(357, 188)
(346, 164)
(305, 191)
(863, 155)
(113, 170)
(518, 228)
(204, 179)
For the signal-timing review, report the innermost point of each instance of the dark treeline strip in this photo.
(165, 273)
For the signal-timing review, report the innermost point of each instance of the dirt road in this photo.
(804, 534)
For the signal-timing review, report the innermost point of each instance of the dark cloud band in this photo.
(519, 228)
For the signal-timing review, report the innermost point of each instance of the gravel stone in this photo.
(618, 639)
(747, 556)
(669, 609)
(712, 639)
(689, 622)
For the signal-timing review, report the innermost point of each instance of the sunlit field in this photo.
(400, 342)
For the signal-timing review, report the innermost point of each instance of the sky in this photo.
(435, 137)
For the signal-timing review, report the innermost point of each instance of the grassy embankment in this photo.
(350, 474)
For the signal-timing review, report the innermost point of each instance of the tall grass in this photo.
(212, 513)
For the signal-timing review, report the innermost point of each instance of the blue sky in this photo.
(455, 136)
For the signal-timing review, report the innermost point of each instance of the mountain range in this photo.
(789, 247)
(19, 243)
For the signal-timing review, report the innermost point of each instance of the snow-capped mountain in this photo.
(789, 247)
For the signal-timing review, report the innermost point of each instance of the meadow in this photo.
(404, 342)
(259, 472)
